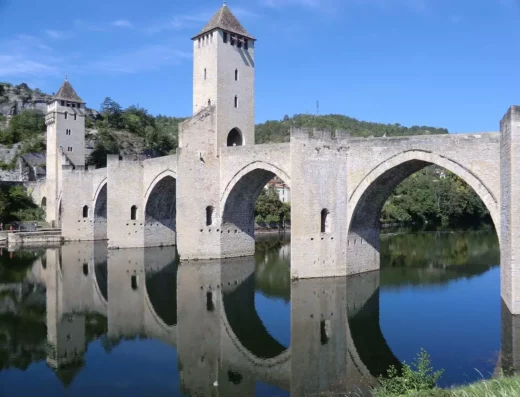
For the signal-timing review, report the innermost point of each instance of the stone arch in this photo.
(238, 206)
(160, 211)
(235, 138)
(161, 294)
(100, 276)
(367, 200)
(246, 330)
(100, 212)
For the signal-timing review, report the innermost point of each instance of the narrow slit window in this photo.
(205, 74)
(236, 74)
(85, 269)
(325, 221)
(209, 215)
(133, 282)
(75, 116)
(210, 306)
(246, 44)
(133, 213)
(236, 101)
(224, 35)
(209, 102)
(85, 211)
(324, 331)
(66, 115)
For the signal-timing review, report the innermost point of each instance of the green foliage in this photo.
(159, 134)
(434, 196)
(418, 377)
(278, 131)
(269, 209)
(28, 125)
(17, 205)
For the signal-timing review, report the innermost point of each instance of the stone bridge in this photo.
(202, 198)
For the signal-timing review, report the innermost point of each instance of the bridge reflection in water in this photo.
(206, 311)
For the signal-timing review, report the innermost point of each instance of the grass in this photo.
(500, 387)
(418, 379)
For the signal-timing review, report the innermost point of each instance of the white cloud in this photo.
(11, 66)
(55, 34)
(122, 23)
(146, 58)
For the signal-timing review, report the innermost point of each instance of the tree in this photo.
(112, 113)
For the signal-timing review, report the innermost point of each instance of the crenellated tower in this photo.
(224, 76)
(65, 122)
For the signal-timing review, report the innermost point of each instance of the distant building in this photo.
(284, 193)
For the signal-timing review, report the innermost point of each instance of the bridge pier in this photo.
(510, 209)
(318, 203)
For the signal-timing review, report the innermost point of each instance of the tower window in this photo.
(133, 282)
(236, 101)
(233, 40)
(62, 103)
(246, 44)
(85, 269)
(239, 42)
(209, 215)
(75, 115)
(73, 105)
(199, 42)
(66, 115)
(69, 149)
(205, 73)
(325, 221)
(133, 213)
(85, 211)
(209, 102)
(236, 74)
(225, 37)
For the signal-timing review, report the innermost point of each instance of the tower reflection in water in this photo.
(206, 312)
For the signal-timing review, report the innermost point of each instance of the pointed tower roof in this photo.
(67, 93)
(225, 20)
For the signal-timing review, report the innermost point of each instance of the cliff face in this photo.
(16, 98)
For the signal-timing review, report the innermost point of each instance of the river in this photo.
(80, 320)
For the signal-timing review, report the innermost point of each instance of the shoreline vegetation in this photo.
(419, 379)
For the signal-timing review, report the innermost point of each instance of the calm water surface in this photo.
(80, 321)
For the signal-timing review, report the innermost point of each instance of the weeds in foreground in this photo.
(412, 379)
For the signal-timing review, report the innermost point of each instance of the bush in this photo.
(421, 378)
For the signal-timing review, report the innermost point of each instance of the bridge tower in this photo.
(223, 107)
(224, 76)
(65, 122)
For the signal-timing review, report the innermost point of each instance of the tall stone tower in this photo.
(65, 122)
(224, 76)
(224, 115)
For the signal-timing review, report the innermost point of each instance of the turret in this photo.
(224, 77)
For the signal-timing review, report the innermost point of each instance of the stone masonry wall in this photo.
(510, 209)
(319, 182)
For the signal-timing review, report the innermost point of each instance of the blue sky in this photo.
(446, 63)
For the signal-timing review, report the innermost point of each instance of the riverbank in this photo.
(500, 387)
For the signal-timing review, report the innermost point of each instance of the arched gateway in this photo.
(202, 197)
